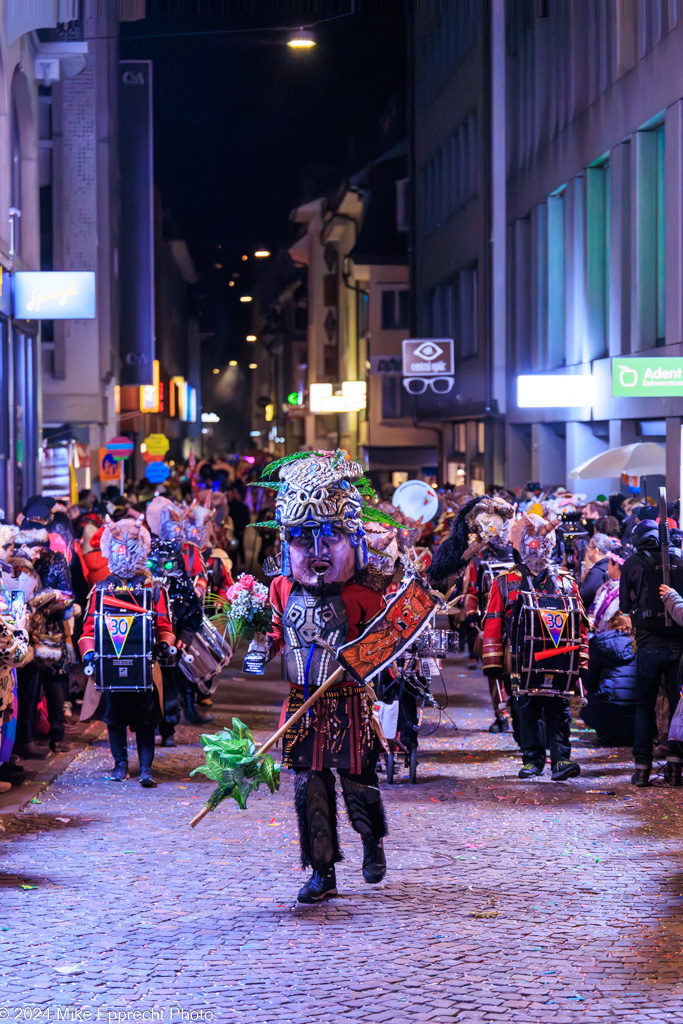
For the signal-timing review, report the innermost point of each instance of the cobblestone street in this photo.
(504, 900)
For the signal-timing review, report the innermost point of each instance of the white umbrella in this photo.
(644, 458)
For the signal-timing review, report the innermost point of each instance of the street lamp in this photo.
(233, 362)
(253, 366)
(245, 298)
(261, 254)
(302, 39)
(251, 337)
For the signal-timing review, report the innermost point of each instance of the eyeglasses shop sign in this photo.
(54, 295)
(427, 357)
(647, 377)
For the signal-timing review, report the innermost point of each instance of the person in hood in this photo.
(659, 644)
(611, 681)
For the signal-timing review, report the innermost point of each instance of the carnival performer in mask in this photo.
(167, 523)
(126, 546)
(320, 601)
(200, 529)
(480, 532)
(542, 719)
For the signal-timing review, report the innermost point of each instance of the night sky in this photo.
(245, 128)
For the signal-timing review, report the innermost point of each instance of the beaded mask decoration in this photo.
(321, 494)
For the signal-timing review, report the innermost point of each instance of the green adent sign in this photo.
(647, 376)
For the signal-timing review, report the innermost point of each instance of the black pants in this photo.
(144, 736)
(544, 723)
(56, 687)
(610, 720)
(655, 663)
(316, 806)
(29, 685)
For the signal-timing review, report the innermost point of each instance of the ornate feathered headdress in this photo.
(322, 490)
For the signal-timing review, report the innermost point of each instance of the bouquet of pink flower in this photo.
(244, 611)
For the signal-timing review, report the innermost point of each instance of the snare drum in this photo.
(206, 654)
(437, 643)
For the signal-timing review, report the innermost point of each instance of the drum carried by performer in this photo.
(126, 629)
(535, 637)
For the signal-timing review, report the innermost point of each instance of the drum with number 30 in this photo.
(124, 639)
(545, 644)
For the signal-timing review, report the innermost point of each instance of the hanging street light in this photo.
(302, 39)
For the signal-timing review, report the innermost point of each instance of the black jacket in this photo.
(612, 668)
(641, 577)
(594, 579)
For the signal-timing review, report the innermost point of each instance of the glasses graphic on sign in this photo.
(418, 385)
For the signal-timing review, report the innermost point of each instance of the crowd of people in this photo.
(607, 551)
(53, 559)
(612, 548)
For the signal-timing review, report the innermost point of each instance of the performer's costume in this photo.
(107, 628)
(168, 524)
(535, 637)
(322, 598)
(198, 534)
(479, 529)
(167, 566)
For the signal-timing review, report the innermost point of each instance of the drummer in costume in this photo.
(126, 546)
(323, 598)
(199, 530)
(555, 616)
(479, 530)
(167, 523)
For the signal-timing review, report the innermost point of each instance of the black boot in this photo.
(192, 716)
(499, 725)
(529, 771)
(366, 814)
(374, 861)
(120, 772)
(673, 774)
(641, 777)
(318, 887)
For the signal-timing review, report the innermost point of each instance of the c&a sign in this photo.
(54, 295)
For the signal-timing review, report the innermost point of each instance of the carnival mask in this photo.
(126, 545)
(198, 519)
(165, 519)
(534, 540)
(318, 556)
(165, 561)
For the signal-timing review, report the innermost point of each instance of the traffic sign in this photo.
(120, 447)
(157, 472)
(157, 444)
(109, 467)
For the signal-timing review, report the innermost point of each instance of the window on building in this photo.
(395, 309)
(649, 239)
(15, 170)
(449, 179)
(597, 202)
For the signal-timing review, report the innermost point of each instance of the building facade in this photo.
(590, 129)
(354, 287)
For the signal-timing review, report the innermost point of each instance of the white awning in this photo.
(22, 16)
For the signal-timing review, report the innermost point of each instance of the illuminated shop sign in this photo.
(557, 390)
(54, 295)
(647, 376)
